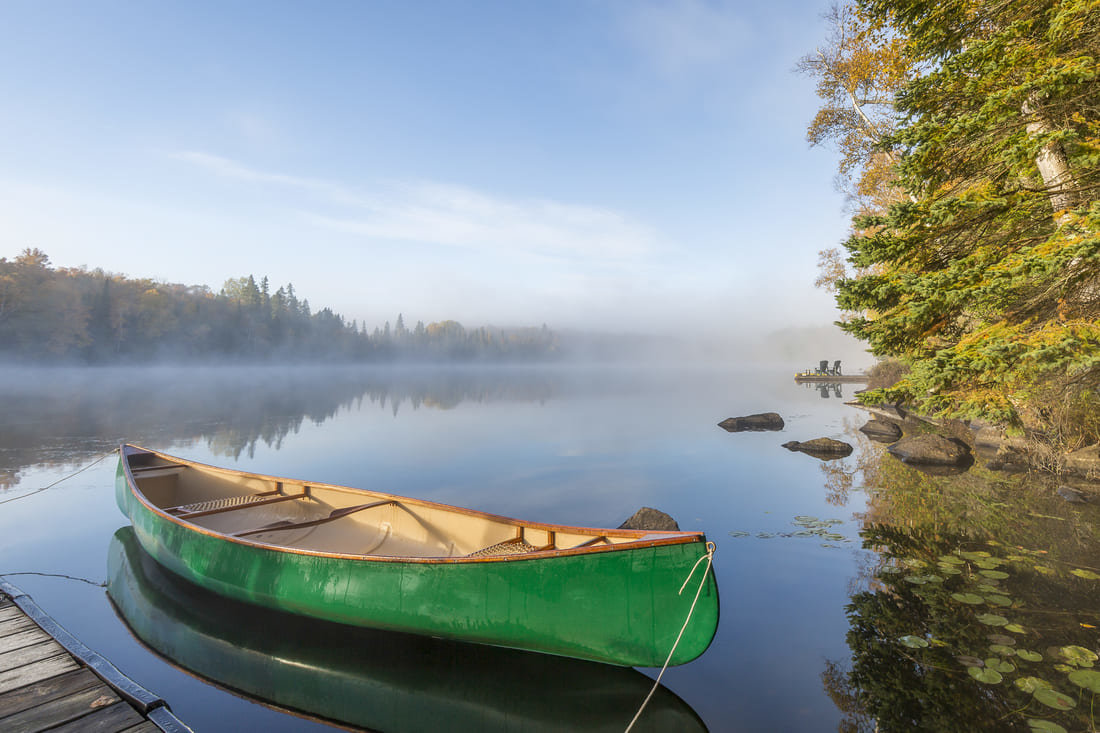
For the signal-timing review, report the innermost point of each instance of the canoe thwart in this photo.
(336, 514)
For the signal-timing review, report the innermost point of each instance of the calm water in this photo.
(852, 590)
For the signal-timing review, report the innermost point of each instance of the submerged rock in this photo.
(758, 422)
(882, 431)
(932, 450)
(650, 518)
(1072, 495)
(825, 449)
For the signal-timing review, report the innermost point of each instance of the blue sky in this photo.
(629, 165)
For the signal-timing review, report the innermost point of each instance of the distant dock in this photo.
(50, 681)
(804, 378)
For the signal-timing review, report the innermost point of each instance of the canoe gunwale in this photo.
(667, 538)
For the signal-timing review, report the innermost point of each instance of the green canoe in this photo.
(380, 680)
(378, 560)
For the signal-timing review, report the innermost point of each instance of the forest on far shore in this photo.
(75, 315)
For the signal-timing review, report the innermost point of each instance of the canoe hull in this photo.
(615, 606)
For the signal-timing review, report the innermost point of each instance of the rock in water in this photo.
(758, 422)
(882, 431)
(1072, 495)
(930, 449)
(650, 518)
(825, 449)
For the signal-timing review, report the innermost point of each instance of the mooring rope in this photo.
(57, 575)
(55, 483)
(709, 557)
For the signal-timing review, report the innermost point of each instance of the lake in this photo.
(852, 591)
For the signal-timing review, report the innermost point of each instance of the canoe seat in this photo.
(226, 503)
(514, 546)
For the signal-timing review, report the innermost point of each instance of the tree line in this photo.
(80, 315)
(969, 134)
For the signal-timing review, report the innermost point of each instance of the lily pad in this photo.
(977, 555)
(971, 598)
(999, 665)
(950, 570)
(1044, 570)
(1029, 656)
(912, 562)
(833, 536)
(738, 533)
(1001, 639)
(1044, 726)
(890, 570)
(765, 535)
(950, 560)
(992, 619)
(1031, 684)
(1078, 655)
(968, 661)
(1015, 628)
(987, 588)
(987, 676)
(993, 574)
(1003, 649)
(913, 642)
(1086, 574)
(997, 600)
(1054, 699)
(989, 563)
(1087, 678)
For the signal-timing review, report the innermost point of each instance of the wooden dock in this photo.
(50, 681)
(831, 378)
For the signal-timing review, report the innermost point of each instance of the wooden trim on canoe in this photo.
(640, 538)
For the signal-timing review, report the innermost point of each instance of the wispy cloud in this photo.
(686, 35)
(452, 215)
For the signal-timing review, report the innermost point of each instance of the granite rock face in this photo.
(652, 519)
(758, 422)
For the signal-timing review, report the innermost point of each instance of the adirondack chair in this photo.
(823, 367)
(836, 368)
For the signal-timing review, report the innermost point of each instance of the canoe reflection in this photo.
(379, 680)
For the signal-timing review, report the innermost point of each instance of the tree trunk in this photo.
(1051, 161)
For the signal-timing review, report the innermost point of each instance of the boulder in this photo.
(758, 422)
(1085, 461)
(882, 431)
(825, 449)
(932, 450)
(651, 519)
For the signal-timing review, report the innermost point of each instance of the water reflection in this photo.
(979, 610)
(58, 417)
(366, 678)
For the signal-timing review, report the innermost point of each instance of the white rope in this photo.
(709, 557)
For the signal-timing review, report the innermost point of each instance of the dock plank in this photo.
(143, 727)
(16, 701)
(36, 672)
(27, 637)
(110, 719)
(10, 611)
(61, 710)
(28, 654)
(15, 626)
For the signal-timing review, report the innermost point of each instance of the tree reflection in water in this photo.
(979, 609)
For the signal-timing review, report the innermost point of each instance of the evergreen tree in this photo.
(986, 279)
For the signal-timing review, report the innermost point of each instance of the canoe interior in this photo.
(323, 518)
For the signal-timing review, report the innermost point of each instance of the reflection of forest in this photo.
(979, 610)
(62, 417)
